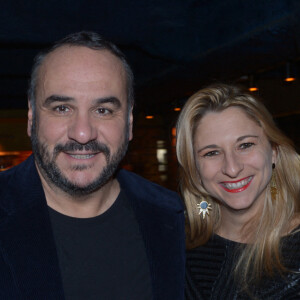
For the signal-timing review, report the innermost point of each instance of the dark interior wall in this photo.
(174, 49)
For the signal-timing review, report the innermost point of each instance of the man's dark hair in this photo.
(87, 39)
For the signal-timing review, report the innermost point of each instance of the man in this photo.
(72, 226)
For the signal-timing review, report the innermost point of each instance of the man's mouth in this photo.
(82, 156)
(236, 186)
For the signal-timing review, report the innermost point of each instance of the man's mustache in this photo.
(94, 146)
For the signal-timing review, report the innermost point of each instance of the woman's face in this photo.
(234, 159)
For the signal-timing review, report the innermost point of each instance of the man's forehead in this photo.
(81, 64)
(81, 59)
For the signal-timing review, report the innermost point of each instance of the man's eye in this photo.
(246, 145)
(61, 109)
(211, 153)
(103, 111)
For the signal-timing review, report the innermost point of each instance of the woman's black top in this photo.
(209, 272)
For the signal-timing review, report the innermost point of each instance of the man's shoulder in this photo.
(17, 172)
(8, 175)
(17, 183)
(138, 182)
(140, 187)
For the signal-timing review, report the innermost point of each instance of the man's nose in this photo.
(232, 165)
(82, 128)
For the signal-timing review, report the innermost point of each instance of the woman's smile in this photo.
(236, 186)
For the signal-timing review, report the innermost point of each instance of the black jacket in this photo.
(29, 266)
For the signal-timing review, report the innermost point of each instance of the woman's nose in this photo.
(232, 165)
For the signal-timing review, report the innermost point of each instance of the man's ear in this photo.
(130, 125)
(29, 122)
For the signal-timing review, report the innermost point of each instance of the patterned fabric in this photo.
(209, 272)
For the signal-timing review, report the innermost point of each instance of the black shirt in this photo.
(102, 257)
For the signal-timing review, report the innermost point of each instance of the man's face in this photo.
(81, 127)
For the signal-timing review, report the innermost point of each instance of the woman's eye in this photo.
(211, 153)
(61, 109)
(246, 145)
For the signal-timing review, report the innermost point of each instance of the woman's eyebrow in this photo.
(246, 136)
(213, 146)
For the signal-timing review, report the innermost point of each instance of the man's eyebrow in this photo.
(57, 98)
(113, 100)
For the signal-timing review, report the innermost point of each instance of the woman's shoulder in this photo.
(294, 234)
(290, 249)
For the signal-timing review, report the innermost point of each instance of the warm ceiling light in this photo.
(252, 84)
(177, 109)
(289, 72)
(253, 89)
(149, 117)
(289, 79)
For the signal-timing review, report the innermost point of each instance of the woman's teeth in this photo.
(237, 185)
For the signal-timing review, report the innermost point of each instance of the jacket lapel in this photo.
(26, 238)
(162, 227)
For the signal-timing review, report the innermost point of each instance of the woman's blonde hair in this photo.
(262, 255)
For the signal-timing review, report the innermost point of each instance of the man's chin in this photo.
(79, 188)
(82, 183)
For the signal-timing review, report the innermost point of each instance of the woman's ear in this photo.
(274, 154)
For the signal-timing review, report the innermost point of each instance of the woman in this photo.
(240, 179)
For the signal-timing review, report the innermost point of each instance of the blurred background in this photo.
(175, 47)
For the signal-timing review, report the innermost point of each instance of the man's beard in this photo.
(50, 170)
